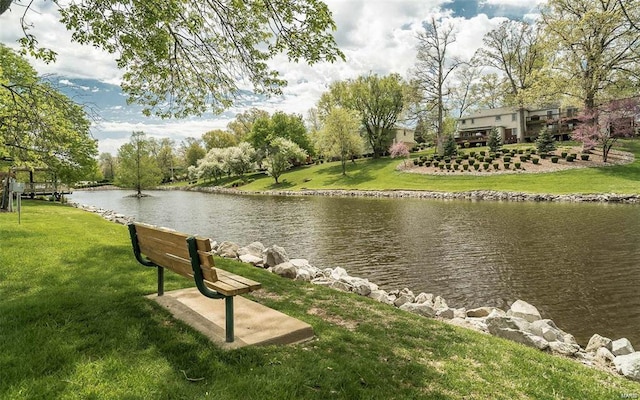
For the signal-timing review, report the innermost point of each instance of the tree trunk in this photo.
(522, 130)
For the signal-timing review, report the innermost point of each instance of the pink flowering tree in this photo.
(604, 125)
(399, 149)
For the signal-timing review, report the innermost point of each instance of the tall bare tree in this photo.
(514, 49)
(433, 68)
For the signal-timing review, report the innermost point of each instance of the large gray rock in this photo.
(497, 322)
(303, 265)
(629, 365)
(446, 313)
(274, 255)
(285, 270)
(522, 309)
(515, 329)
(381, 296)
(604, 356)
(569, 338)
(251, 259)
(423, 309)
(440, 303)
(322, 281)
(405, 296)
(339, 274)
(228, 250)
(480, 312)
(254, 249)
(361, 287)
(345, 287)
(547, 329)
(522, 337)
(564, 348)
(596, 342)
(424, 298)
(621, 347)
(302, 275)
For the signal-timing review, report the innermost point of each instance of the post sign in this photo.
(16, 187)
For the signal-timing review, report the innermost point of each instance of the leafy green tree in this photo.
(339, 137)
(192, 151)
(495, 141)
(545, 143)
(291, 126)
(107, 164)
(280, 125)
(218, 138)
(261, 133)
(39, 126)
(281, 155)
(595, 47)
(242, 125)
(184, 57)
(378, 100)
(136, 167)
(166, 159)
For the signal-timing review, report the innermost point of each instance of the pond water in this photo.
(579, 264)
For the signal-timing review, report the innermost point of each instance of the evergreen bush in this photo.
(494, 141)
(450, 147)
(545, 142)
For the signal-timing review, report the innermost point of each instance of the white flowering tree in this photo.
(281, 155)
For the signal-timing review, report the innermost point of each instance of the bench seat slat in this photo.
(240, 279)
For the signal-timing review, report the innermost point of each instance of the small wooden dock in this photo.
(33, 189)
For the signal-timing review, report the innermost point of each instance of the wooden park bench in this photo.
(191, 257)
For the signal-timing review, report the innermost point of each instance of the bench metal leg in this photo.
(228, 304)
(160, 281)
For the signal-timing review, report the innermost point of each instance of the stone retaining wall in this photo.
(474, 195)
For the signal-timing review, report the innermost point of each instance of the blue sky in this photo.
(375, 35)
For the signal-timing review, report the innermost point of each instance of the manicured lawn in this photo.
(74, 324)
(381, 174)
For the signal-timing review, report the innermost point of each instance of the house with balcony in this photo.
(476, 128)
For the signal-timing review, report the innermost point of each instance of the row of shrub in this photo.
(484, 159)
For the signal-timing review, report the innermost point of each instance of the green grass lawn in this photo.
(74, 324)
(381, 174)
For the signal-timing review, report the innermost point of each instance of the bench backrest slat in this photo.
(169, 249)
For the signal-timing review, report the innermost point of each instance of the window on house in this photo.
(549, 114)
(472, 121)
(464, 121)
(498, 118)
(514, 117)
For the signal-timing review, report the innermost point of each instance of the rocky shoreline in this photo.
(473, 195)
(521, 323)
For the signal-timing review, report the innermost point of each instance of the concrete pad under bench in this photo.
(255, 324)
